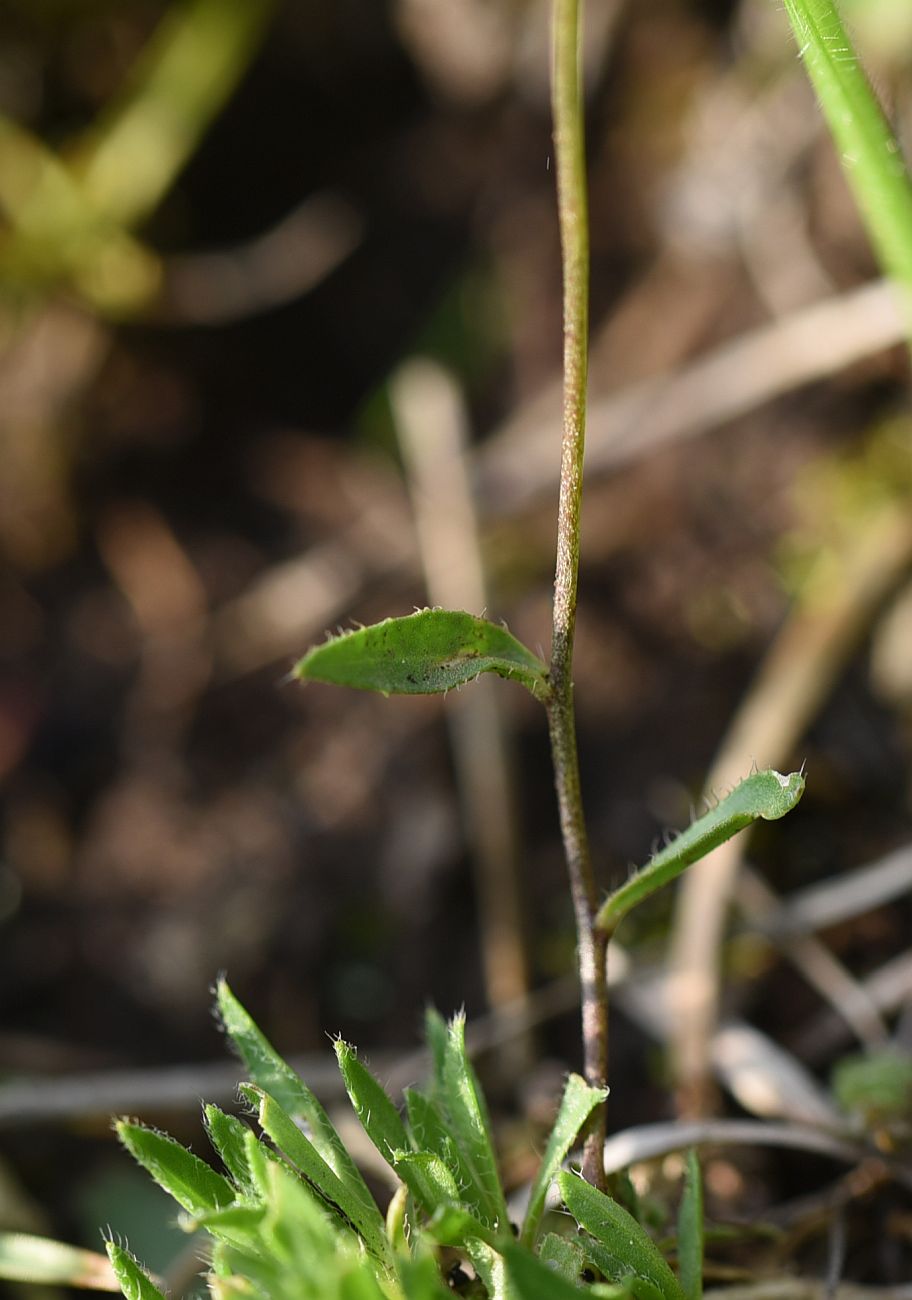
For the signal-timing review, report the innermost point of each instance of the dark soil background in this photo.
(171, 805)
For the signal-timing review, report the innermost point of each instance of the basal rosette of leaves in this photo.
(290, 1216)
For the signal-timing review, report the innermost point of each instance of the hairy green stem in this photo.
(567, 108)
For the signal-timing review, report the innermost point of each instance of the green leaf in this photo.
(302, 1153)
(535, 1280)
(425, 653)
(134, 1283)
(425, 1172)
(378, 1116)
(273, 1075)
(240, 1225)
(577, 1104)
(869, 151)
(627, 1247)
(359, 1285)
(491, 1268)
(452, 1225)
(605, 1261)
(193, 1184)
(430, 1132)
(24, 1258)
(427, 1127)
(471, 1126)
(228, 1136)
(302, 1247)
(262, 1160)
(420, 1279)
(427, 1178)
(563, 1255)
(690, 1231)
(768, 794)
(435, 1031)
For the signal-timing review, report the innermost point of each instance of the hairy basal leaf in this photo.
(133, 1279)
(193, 1184)
(577, 1104)
(619, 1247)
(426, 653)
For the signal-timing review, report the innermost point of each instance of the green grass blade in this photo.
(471, 1125)
(25, 1258)
(194, 1185)
(631, 1249)
(133, 1280)
(273, 1075)
(426, 653)
(577, 1104)
(869, 151)
(768, 795)
(690, 1231)
(303, 1154)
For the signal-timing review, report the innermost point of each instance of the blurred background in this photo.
(279, 350)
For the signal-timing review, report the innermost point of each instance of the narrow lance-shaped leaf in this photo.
(577, 1104)
(627, 1248)
(768, 794)
(869, 151)
(535, 1280)
(435, 1031)
(134, 1282)
(194, 1185)
(471, 1125)
(430, 1131)
(228, 1136)
(424, 1174)
(271, 1073)
(428, 1179)
(373, 1105)
(452, 1225)
(302, 1153)
(426, 653)
(563, 1256)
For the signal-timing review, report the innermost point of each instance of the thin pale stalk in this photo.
(570, 163)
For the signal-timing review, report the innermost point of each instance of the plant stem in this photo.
(567, 109)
